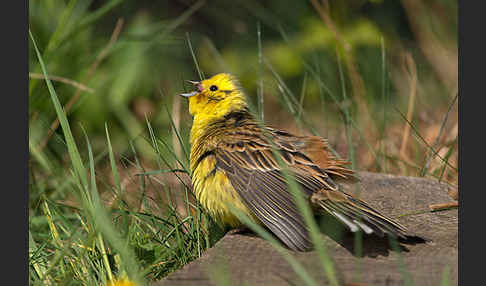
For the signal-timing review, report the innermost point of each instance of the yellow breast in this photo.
(216, 194)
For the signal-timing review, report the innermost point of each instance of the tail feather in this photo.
(360, 211)
(356, 214)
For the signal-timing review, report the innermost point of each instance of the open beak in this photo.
(197, 84)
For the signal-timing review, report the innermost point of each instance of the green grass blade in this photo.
(71, 145)
(306, 211)
(384, 102)
(296, 266)
(178, 135)
(92, 18)
(40, 267)
(424, 141)
(54, 39)
(199, 72)
(447, 156)
(96, 201)
(39, 157)
(114, 170)
(436, 142)
(347, 115)
(181, 19)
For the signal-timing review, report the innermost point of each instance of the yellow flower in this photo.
(122, 282)
(233, 165)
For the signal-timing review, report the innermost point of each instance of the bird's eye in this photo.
(213, 88)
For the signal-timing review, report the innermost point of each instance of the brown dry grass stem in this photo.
(411, 67)
(444, 206)
(443, 59)
(68, 81)
(102, 55)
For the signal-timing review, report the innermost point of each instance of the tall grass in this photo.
(97, 218)
(81, 243)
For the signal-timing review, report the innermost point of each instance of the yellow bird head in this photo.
(216, 96)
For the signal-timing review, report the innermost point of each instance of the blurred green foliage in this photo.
(149, 60)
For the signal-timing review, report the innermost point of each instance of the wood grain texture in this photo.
(246, 259)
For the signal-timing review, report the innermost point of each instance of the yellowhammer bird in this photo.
(233, 165)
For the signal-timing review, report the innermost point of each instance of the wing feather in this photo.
(270, 211)
(259, 181)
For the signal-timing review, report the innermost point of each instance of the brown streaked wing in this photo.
(246, 156)
(255, 174)
(316, 149)
(266, 194)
